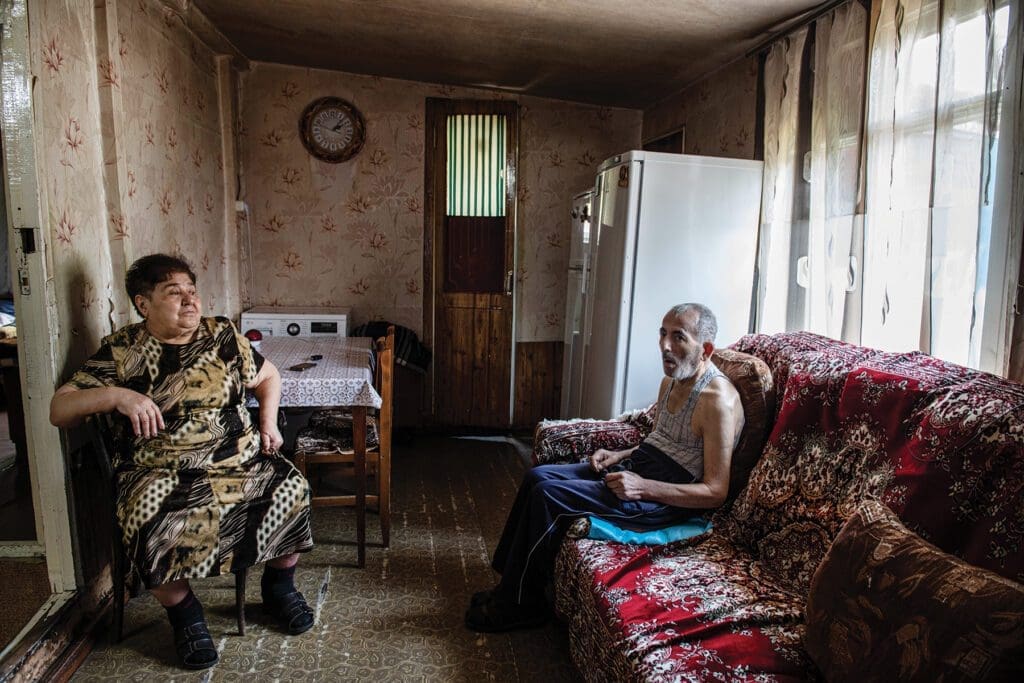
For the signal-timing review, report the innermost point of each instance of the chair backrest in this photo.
(385, 381)
(102, 436)
(101, 433)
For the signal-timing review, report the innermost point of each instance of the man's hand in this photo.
(626, 485)
(270, 438)
(145, 415)
(602, 459)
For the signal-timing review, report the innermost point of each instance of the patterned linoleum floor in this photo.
(398, 619)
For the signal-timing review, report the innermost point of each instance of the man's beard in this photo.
(685, 367)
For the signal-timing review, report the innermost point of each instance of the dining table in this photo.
(331, 372)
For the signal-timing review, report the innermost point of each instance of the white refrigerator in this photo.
(575, 301)
(667, 229)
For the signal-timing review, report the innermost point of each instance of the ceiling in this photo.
(627, 53)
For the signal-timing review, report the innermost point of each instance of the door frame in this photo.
(434, 196)
(35, 301)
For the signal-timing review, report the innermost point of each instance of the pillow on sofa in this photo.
(753, 381)
(885, 604)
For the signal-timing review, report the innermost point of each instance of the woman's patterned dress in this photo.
(198, 498)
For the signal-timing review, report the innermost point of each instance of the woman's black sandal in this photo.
(291, 612)
(195, 646)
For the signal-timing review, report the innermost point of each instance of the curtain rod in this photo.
(800, 21)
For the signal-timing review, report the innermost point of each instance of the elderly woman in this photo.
(201, 490)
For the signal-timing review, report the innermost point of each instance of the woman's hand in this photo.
(267, 389)
(270, 438)
(145, 416)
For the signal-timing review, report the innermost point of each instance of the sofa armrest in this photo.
(570, 441)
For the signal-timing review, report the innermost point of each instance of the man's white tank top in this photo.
(673, 433)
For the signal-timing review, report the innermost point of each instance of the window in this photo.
(901, 250)
(475, 226)
(932, 130)
(476, 165)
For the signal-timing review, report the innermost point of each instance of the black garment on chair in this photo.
(409, 350)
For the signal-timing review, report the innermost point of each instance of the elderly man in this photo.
(682, 466)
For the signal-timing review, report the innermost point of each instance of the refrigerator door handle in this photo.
(508, 283)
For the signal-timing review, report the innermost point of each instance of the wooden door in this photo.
(469, 263)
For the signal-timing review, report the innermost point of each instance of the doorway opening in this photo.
(24, 580)
(37, 569)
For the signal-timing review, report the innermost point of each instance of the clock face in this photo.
(332, 129)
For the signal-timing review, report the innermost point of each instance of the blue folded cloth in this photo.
(603, 530)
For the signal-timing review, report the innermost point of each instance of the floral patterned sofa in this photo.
(880, 535)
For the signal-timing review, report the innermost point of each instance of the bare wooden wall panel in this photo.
(538, 382)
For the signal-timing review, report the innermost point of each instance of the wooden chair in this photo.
(101, 434)
(329, 440)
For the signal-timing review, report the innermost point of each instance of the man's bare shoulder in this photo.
(721, 388)
(720, 398)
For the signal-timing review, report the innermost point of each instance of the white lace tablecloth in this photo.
(343, 377)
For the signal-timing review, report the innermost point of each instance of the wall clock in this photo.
(332, 129)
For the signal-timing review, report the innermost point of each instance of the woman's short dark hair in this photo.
(147, 272)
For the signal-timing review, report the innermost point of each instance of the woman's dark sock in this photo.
(277, 583)
(186, 612)
(282, 601)
(192, 638)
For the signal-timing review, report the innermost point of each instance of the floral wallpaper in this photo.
(130, 142)
(70, 155)
(561, 146)
(351, 234)
(719, 113)
(169, 148)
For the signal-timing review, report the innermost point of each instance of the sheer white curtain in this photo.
(809, 271)
(836, 219)
(933, 111)
(777, 291)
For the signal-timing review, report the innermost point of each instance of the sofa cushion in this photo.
(330, 431)
(885, 604)
(753, 381)
(696, 610)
